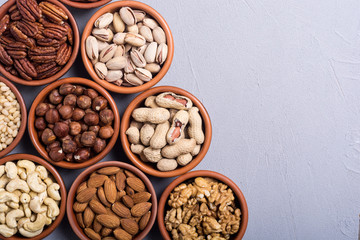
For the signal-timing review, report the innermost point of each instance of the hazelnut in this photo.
(66, 112)
(75, 128)
(40, 123)
(51, 126)
(52, 116)
(66, 89)
(58, 106)
(91, 119)
(106, 132)
(106, 116)
(41, 109)
(70, 100)
(84, 102)
(48, 136)
(79, 90)
(82, 154)
(88, 139)
(61, 129)
(52, 145)
(67, 137)
(84, 127)
(99, 103)
(51, 106)
(91, 93)
(56, 154)
(69, 146)
(55, 97)
(77, 140)
(89, 110)
(99, 145)
(69, 157)
(78, 114)
(95, 129)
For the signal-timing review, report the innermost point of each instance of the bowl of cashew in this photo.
(32, 197)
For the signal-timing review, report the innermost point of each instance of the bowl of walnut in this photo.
(202, 205)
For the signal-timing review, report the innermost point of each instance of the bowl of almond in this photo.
(111, 200)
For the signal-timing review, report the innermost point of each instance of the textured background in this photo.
(281, 81)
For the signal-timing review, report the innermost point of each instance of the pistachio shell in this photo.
(132, 79)
(130, 66)
(119, 38)
(118, 23)
(137, 58)
(151, 23)
(159, 35)
(116, 63)
(127, 15)
(102, 45)
(139, 14)
(133, 29)
(102, 34)
(161, 53)
(153, 67)
(114, 75)
(135, 39)
(104, 20)
(150, 52)
(143, 74)
(101, 70)
(91, 46)
(145, 31)
(120, 50)
(108, 53)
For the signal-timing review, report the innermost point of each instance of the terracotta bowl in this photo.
(22, 128)
(115, 6)
(3, 10)
(85, 5)
(58, 179)
(84, 176)
(240, 200)
(40, 147)
(150, 168)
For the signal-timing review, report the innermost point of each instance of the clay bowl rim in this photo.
(84, 5)
(153, 13)
(23, 123)
(48, 230)
(3, 10)
(84, 176)
(40, 98)
(203, 173)
(151, 168)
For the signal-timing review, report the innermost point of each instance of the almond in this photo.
(92, 234)
(106, 231)
(108, 238)
(121, 210)
(79, 207)
(110, 190)
(102, 198)
(119, 195)
(96, 226)
(96, 181)
(81, 187)
(130, 226)
(141, 197)
(136, 184)
(108, 221)
(129, 174)
(120, 181)
(128, 201)
(80, 220)
(140, 209)
(86, 195)
(89, 216)
(144, 220)
(109, 170)
(122, 235)
(97, 207)
(129, 191)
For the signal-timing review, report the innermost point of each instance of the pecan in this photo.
(41, 68)
(16, 50)
(25, 68)
(4, 22)
(6, 40)
(17, 54)
(39, 36)
(63, 54)
(52, 12)
(53, 33)
(49, 72)
(12, 8)
(17, 34)
(69, 33)
(15, 15)
(11, 70)
(30, 43)
(48, 42)
(28, 28)
(29, 9)
(42, 54)
(4, 57)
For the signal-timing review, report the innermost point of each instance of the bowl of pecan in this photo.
(127, 47)
(39, 41)
(85, 4)
(73, 125)
(202, 205)
(111, 200)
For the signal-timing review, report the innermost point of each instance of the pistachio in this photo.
(102, 34)
(161, 53)
(150, 52)
(143, 74)
(120, 50)
(119, 38)
(107, 53)
(91, 47)
(135, 39)
(118, 23)
(130, 66)
(153, 67)
(151, 23)
(141, 49)
(132, 79)
(104, 20)
(137, 58)
(133, 29)
(114, 75)
(101, 70)
(102, 45)
(139, 14)
(145, 31)
(116, 63)
(128, 47)
(159, 35)
(127, 15)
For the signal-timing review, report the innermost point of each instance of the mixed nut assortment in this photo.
(202, 209)
(10, 116)
(29, 198)
(74, 122)
(127, 47)
(159, 132)
(35, 39)
(113, 202)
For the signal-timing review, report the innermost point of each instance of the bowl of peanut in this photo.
(202, 205)
(12, 116)
(165, 131)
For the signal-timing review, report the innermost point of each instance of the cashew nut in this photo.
(35, 182)
(43, 173)
(53, 208)
(17, 184)
(53, 191)
(38, 224)
(48, 221)
(3, 181)
(22, 221)
(30, 234)
(13, 205)
(12, 216)
(11, 170)
(6, 197)
(6, 231)
(48, 181)
(2, 218)
(25, 198)
(35, 205)
(28, 165)
(3, 207)
(22, 173)
(42, 196)
(2, 170)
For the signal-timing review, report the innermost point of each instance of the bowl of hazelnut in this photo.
(73, 125)
(202, 205)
